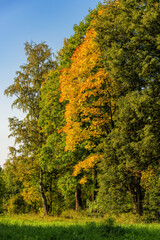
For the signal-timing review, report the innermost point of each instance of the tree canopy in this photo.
(90, 133)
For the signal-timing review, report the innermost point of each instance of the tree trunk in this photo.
(136, 195)
(78, 199)
(93, 180)
(44, 200)
(137, 201)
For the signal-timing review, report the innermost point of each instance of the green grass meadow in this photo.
(14, 228)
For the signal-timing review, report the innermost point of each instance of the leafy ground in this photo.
(12, 228)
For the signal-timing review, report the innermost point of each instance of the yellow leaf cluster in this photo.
(30, 194)
(88, 89)
(147, 176)
(83, 180)
(87, 164)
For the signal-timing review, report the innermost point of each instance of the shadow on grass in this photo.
(89, 231)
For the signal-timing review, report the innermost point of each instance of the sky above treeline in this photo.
(23, 21)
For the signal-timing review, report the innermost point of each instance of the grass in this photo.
(39, 228)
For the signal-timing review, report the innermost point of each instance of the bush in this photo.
(16, 205)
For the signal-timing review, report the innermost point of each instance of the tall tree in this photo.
(129, 150)
(26, 91)
(88, 91)
(70, 44)
(52, 156)
(65, 60)
(2, 188)
(128, 36)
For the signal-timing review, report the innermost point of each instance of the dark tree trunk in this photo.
(50, 205)
(137, 201)
(78, 199)
(94, 183)
(93, 196)
(44, 200)
(136, 194)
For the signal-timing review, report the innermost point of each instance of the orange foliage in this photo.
(87, 164)
(83, 180)
(30, 193)
(87, 88)
(147, 176)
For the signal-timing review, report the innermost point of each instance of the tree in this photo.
(88, 91)
(130, 149)
(22, 191)
(65, 60)
(70, 44)
(128, 37)
(26, 90)
(151, 183)
(2, 189)
(52, 156)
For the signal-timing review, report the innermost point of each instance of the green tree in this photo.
(64, 60)
(2, 189)
(52, 156)
(128, 37)
(85, 87)
(26, 90)
(129, 150)
(151, 183)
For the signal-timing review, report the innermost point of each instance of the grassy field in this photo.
(35, 228)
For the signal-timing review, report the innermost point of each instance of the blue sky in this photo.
(31, 20)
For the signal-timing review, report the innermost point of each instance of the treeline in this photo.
(90, 138)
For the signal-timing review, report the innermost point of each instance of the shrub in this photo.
(16, 205)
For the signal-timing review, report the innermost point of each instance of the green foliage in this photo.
(128, 150)
(67, 185)
(152, 197)
(2, 189)
(51, 120)
(128, 35)
(70, 44)
(122, 89)
(12, 184)
(16, 205)
(27, 92)
(52, 156)
(112, 193)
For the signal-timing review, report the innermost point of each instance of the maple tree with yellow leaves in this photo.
(88, 89)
